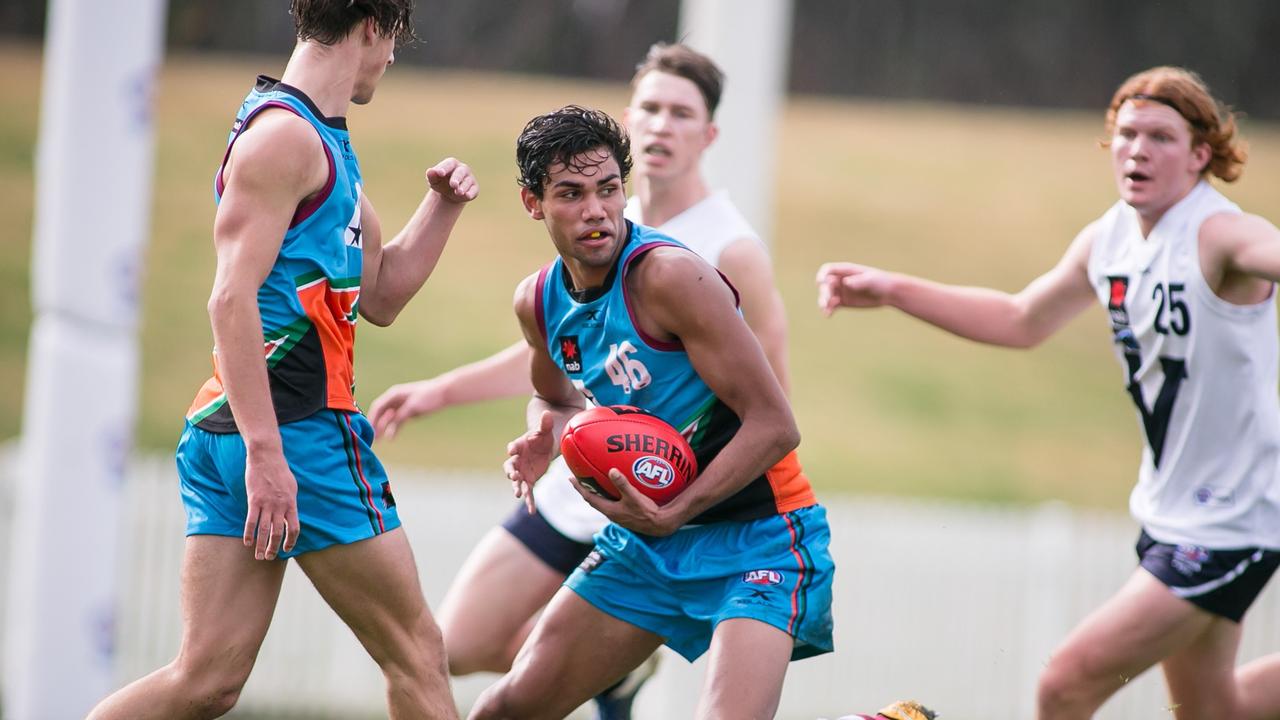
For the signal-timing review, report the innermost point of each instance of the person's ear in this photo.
(532, 203)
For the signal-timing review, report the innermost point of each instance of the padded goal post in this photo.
(751, 41)
(93, 173)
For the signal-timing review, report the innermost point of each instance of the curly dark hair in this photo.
(562, 137)
(328, 21)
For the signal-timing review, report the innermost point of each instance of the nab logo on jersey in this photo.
(653, 471)
(570, 353)
(1119, 288)
(762, 577)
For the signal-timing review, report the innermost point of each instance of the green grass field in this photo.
(886, 405)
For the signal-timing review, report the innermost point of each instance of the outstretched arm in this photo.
(501, 375)
(554, 401)
(1020, 320)
(393, 273)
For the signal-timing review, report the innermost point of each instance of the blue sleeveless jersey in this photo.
(309, 300)
(595, 341)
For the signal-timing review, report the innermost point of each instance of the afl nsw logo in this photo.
(653, 471)
(762, 577)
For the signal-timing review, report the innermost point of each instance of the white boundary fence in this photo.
(956, 605)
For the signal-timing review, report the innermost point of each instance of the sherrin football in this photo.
(653, 456)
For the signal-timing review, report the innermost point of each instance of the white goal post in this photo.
(751, 41)
(93, 173)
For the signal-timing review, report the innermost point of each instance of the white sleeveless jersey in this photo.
(707, 228)
(1203, 375)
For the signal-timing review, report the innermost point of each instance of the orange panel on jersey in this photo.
(791, 489)
(333, 314)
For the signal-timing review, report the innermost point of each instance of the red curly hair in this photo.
(1211, 122)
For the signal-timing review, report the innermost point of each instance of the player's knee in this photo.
(459, 651)
(1062, 688)
(412, 651)
(465, 658)
(462, 661)
(500, 701)
(222, 700)
(212, 691)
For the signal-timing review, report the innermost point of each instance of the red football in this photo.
(653, 456)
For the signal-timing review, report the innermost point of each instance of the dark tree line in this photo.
(1012, 52)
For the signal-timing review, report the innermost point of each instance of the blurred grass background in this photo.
(965, 194)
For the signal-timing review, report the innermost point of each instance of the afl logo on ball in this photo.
(653, 471)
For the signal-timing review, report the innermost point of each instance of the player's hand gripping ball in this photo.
(653, 456)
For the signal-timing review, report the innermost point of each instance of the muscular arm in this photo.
(1020, 320)
(728, 358)
(747, 265)
(393, 273)
(273, 166)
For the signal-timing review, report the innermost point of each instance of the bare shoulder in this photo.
(672, 269)
(1084, 239)
(746, 253)
(1081, 247)
(1229, 228)
(278, 144)
(526, 297)
(672, 281)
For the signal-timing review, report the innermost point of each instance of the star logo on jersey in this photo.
(570, 353)
(354, 231)
(1119, 288)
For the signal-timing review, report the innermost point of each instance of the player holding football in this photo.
(1189, 282)
(518, 566)
(275, 461)
(627, 315)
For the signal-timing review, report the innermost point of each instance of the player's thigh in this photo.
(228, 599)
(575, 652)
(1137, 627)
(501, 585)
(373, 587)
(1202, 675)
(748, 663)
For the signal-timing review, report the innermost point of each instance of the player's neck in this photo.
(1150, 217)
(664, 198)
(325, 73)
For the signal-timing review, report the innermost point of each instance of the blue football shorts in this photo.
(777, 570)
(343, 492)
